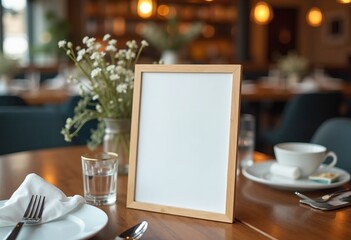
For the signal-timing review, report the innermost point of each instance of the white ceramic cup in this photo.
(308, 157)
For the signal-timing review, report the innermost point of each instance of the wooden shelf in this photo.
(119, 18)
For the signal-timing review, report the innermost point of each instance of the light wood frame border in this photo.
(235, 72)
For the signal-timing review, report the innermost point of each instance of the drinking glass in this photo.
(246, 140)
(100, 171)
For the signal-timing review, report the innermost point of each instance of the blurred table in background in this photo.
(45, 96)
(251, 91)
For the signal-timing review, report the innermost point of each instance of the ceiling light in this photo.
(145, 8)
(314, 17)
(262, 13)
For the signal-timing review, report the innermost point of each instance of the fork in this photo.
(32, 215)
(324, 198)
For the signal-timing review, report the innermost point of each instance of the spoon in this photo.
(134, 232)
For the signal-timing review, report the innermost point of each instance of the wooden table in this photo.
(266, 92)
(261, 212)
(45, 96)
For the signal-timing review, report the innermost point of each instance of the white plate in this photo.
(260, 173)
(82, 223)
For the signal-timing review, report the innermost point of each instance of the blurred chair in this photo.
(30, 128)
(301, 117)
(24, 128)
(11, 100)
(335, 135)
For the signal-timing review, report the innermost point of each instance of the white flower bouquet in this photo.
(107, 86)
(170, 36)
(292, 63)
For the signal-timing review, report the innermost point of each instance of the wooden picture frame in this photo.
(184, 140)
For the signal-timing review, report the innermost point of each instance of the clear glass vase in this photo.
(117, 140)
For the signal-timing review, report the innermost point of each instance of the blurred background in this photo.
(252, 32)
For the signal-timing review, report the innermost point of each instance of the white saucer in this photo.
(82, 223)
(260, 172)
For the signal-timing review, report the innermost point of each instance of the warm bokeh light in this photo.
(163, 10)
(139, 28)
(119, 26)
(145, 8)
(262, 13)
(344, 1)
(314, 17)
(208, 31)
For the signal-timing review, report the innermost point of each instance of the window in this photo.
(14, 31)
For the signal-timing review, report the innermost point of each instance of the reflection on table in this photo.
(261, 211)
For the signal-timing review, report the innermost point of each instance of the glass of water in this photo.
(100, 171)
(246, 140)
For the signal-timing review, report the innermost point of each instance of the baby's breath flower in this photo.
(112, 42)
(95, 97)
(95, 55)
(106, 37)
(110, 68)
(132, 44)
(99, 108)
(144, 43)
(111, 48)
(130, 55)
(95, 72)
(81, 53)
(68, 123)
(85, 39)
(90, 42)
(122, 88)
(62, 43)
(69, 45)
(114, 77)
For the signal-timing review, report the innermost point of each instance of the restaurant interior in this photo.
(295, 85)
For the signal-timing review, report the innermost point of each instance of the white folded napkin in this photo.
(57, 203)
(285, 171)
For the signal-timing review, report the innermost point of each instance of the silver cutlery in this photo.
(32, 215)
(324, 198)
(134, 232)
(325, 206)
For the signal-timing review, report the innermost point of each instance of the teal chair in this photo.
(301, 117)
(25, 128)
(11, 100)
(335, 135)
